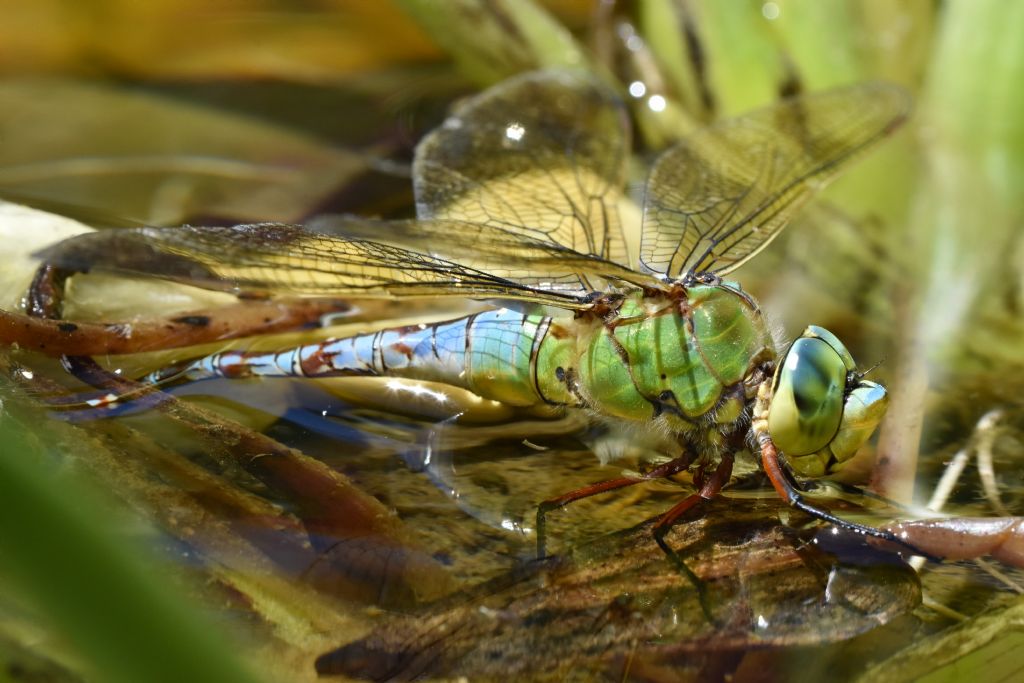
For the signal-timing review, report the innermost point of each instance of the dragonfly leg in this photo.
(674, 466)
(709, 489)
(811, 485)
(783, 483)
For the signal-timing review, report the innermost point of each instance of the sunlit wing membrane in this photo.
(538, 264)
(543, 155)
(274, 258)
(721, 195)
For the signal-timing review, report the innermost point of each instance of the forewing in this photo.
(272, 258)
(724, 193)
(542, 155)
(538, 264)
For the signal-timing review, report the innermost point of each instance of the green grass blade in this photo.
(98, 591)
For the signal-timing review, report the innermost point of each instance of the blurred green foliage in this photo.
(100, 591)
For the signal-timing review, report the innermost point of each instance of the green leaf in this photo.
(102, 593)
(493, 40)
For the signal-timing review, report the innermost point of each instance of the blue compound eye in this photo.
(807, 397)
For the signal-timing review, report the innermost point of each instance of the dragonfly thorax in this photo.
(686, 358)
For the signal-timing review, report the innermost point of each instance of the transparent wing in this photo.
(535, 263)
(273, 258)
(721, 195)
(542, 155)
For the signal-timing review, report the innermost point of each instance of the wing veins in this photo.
(780, 199)
(781, 154)
(567, 124)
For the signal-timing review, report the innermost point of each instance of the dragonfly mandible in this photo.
(518, 197)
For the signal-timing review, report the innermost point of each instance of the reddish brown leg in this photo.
(708, 490)
(667, 469)
(788, 491)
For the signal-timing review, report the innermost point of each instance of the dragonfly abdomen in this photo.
(498, 354)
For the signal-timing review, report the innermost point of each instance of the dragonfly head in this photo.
(822, 409)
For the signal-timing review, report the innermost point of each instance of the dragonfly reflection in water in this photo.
(518, 199)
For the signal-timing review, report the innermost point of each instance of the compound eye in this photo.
(833, 341)
(807, 400)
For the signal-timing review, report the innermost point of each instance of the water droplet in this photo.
(515, 132)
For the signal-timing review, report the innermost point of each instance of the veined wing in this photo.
(538, 264)
(275, 258)
(723, 194)
(542, 155)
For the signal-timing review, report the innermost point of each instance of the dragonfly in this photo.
(520, 199)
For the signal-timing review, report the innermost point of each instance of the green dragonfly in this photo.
(519, 196)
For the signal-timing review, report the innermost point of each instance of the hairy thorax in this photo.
(688, 361)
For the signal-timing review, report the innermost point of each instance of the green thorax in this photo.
(675, 357)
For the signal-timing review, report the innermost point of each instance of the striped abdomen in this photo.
(501, 354)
